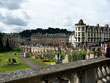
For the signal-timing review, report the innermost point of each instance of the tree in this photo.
(1, 43)
(8, 48)
(50, 30)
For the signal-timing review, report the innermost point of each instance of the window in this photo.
(94, 39)
(86, 29)
(91, 34)
(78, 28)
(82, 28)
(88, 40)
(94, 34)
(88, 34)
(91, 40)
(79, 39)
(82, 33)
(78, 33)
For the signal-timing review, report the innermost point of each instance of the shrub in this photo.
(62, 56)
(70, 58)
(77, 55)
(49, 56)
(17, 49)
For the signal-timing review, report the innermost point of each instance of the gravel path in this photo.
(32, 64)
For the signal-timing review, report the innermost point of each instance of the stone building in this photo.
(86, 34)
(50, 39)
(14, 39)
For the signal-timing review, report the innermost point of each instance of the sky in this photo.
(19, 15)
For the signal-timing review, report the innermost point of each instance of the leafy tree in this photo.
(0, 34)
(8, 48)
(28, 33)
(1, 43)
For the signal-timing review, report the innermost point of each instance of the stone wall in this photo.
(84, 71)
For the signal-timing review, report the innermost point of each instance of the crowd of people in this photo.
(98, 51)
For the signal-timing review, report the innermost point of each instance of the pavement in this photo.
(32, 64)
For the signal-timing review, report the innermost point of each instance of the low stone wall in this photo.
(83, 71)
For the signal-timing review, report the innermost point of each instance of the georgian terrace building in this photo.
(13, 38)
(50, 39)
(86, 34)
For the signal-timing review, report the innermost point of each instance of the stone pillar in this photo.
(61, 80)
(72, 78)
(89, 76)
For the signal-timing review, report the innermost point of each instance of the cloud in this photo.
(66, 13)
(2, 29)
(10, 19)
(19, 29)
(9, 29)
(11, 4)
(53, 13)
(13, 16)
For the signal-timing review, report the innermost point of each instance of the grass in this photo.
(4, 60)
(38, 62)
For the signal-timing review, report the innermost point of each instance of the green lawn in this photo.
(4, 60)
(37, 61)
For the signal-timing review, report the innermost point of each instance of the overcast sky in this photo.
(18, 15)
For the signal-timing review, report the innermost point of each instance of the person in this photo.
(98, 52)
(107, 50)
(88, 52)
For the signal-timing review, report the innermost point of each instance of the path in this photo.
(32, 64)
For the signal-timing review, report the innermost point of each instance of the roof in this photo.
(80, 22)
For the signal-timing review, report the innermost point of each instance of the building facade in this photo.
(50, 39)
(13, 38)
(72, 39)
(86, 34)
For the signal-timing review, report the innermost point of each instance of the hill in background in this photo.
(28, 33)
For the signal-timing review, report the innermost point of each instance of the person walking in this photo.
(107, 50)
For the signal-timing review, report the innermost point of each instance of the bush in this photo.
(70, 58)
(77, 55)
(17, 49)
(62, 57)
(49, 56)
(2, 49)
(83, 54)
